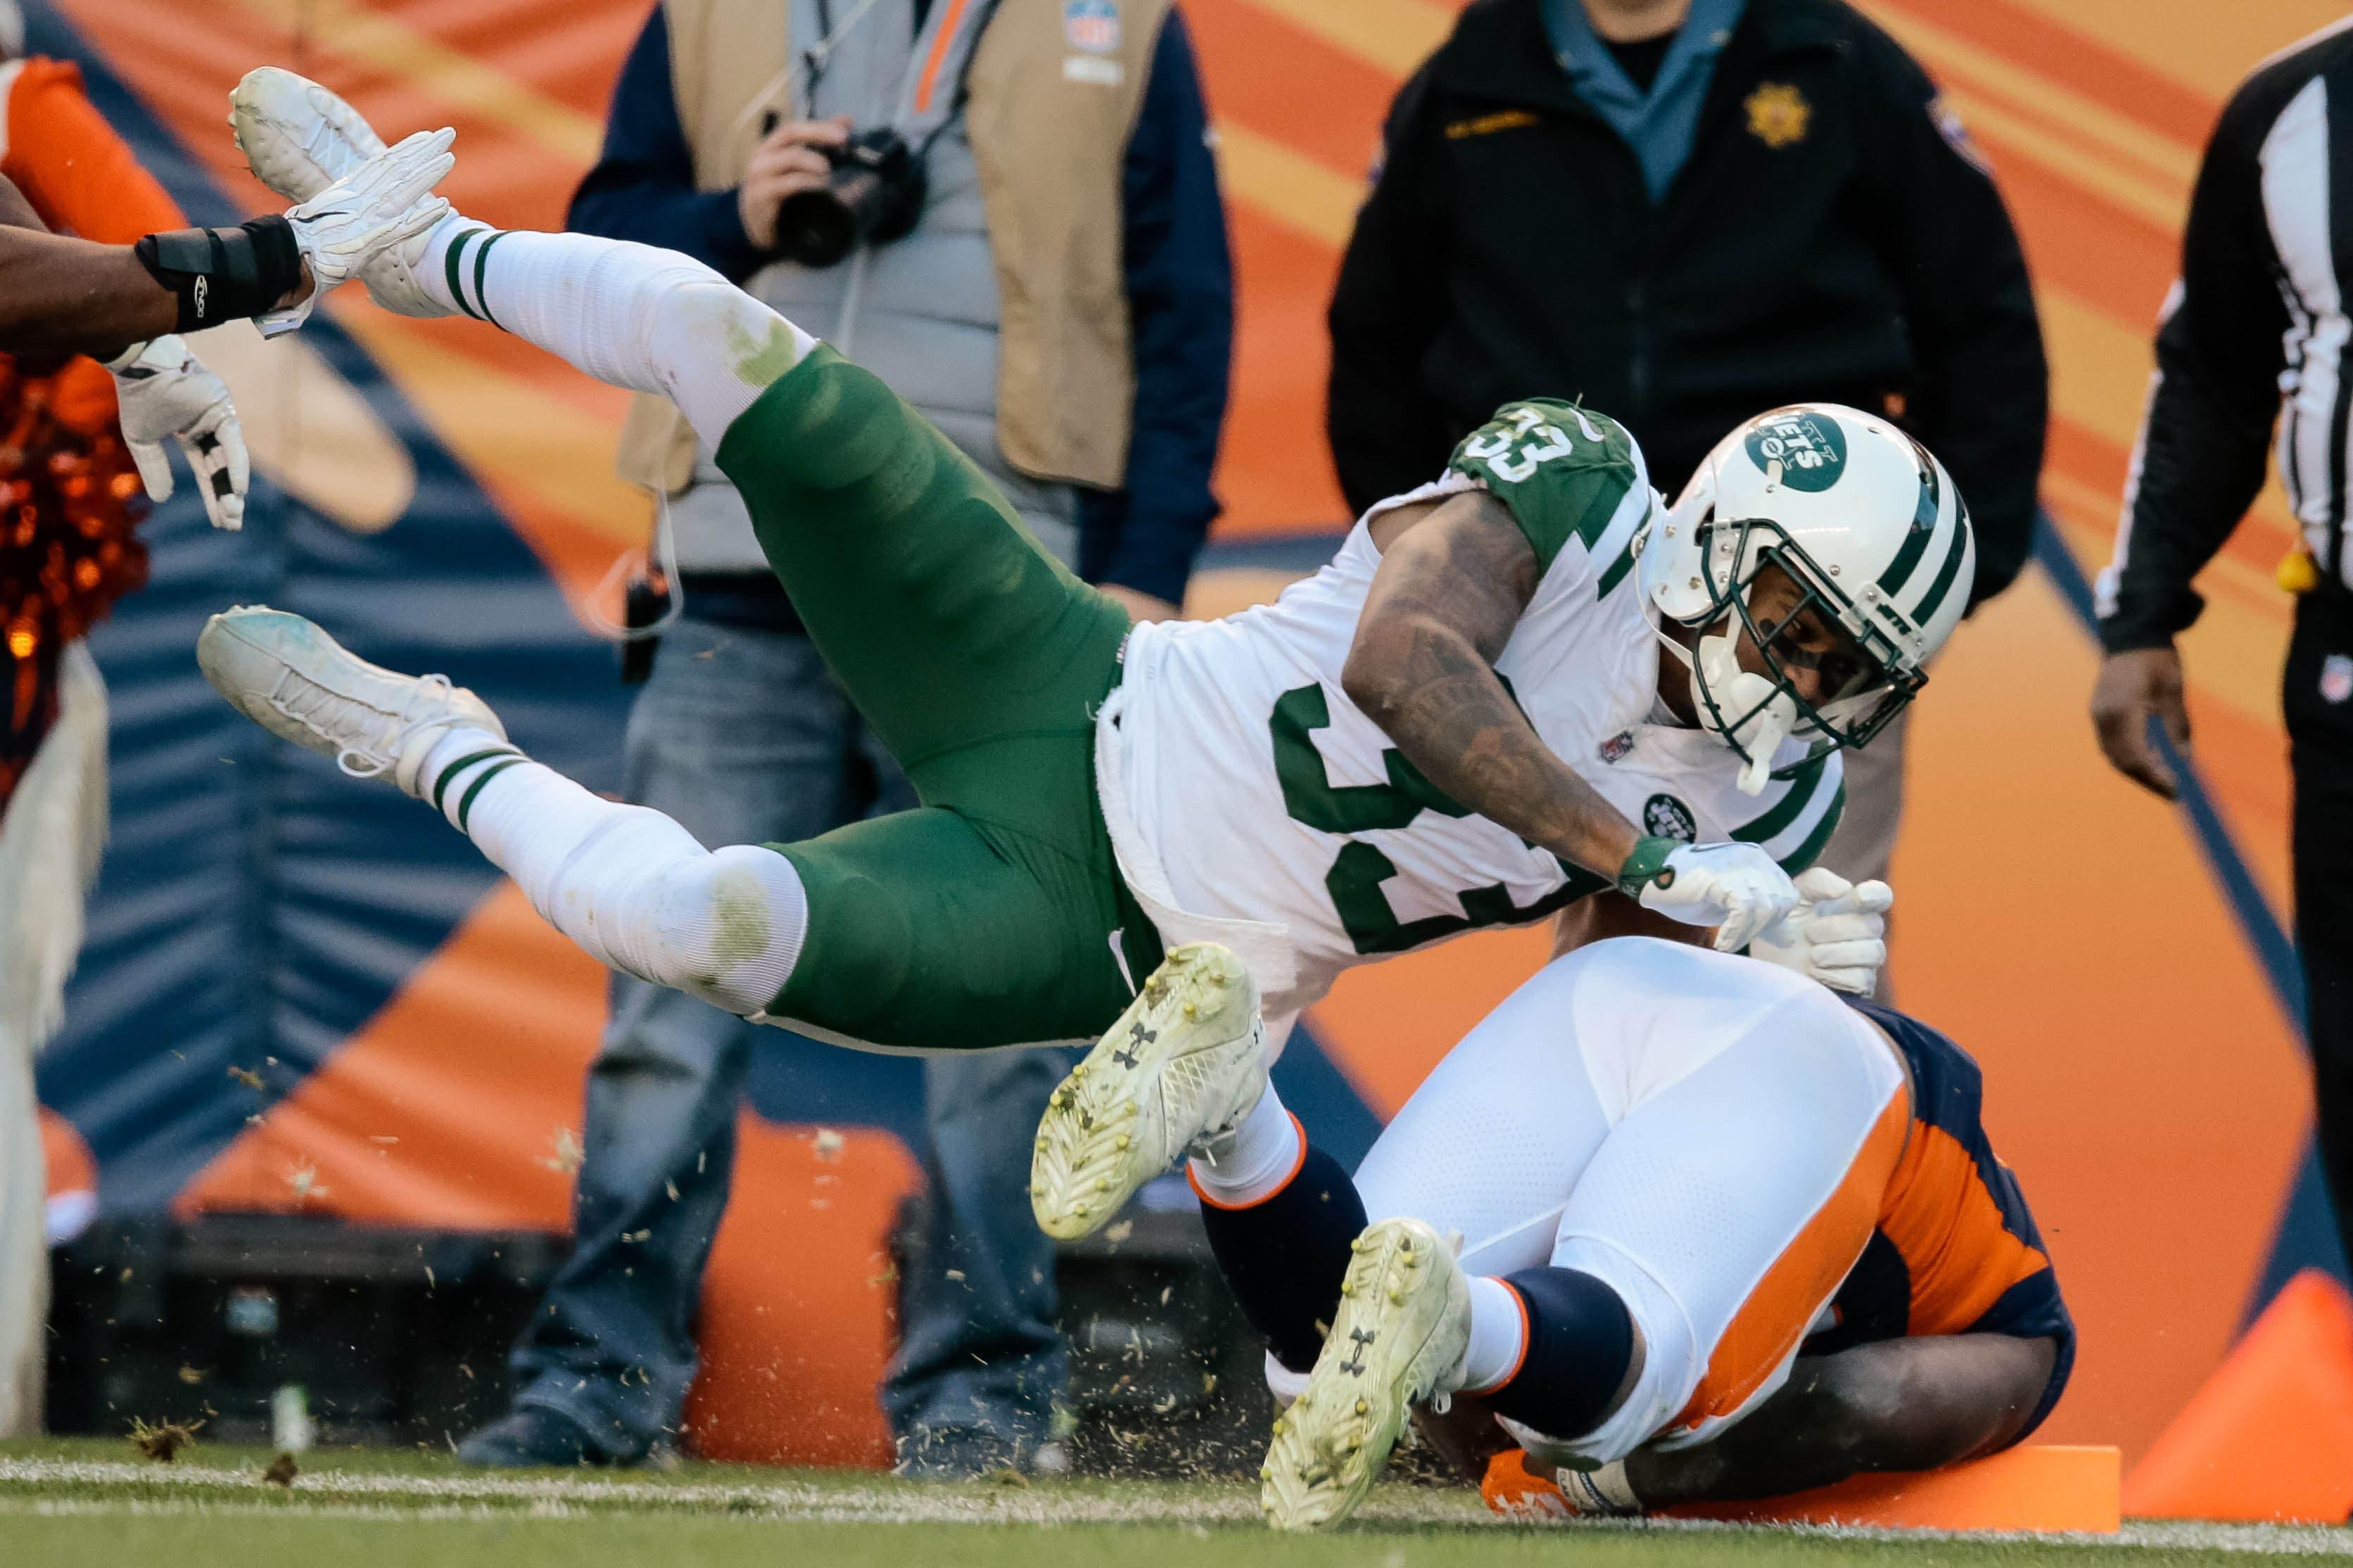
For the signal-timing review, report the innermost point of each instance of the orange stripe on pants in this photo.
(1781, 1308)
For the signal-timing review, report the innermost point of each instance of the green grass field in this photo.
(96, 1504)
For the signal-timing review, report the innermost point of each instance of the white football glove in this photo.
(385, 201)
(1838, 935)
(161, 390)
(1734, 887)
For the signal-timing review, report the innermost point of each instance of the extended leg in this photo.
(923, 930)
(945, 620)
(977, 660)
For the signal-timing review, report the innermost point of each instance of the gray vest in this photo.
(919, 312)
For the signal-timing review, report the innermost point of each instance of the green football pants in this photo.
(987, 917)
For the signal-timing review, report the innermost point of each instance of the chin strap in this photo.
(1719, 686)
(1770, 715)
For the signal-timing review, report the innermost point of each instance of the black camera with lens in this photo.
(873, 195)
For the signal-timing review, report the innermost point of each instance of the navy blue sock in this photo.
(1581, 1343)
(1286, 1257)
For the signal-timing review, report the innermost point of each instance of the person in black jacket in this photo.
(2255, 335)
(1686, 211)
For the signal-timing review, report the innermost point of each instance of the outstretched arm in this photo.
(1897, 1405)
(61, 296)
(1451, 586)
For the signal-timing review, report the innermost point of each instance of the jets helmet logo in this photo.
(1665, 817)
(1810, 450)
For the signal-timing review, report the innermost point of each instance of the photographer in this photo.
(1007, 210)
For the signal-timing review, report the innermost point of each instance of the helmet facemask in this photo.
(1865, 678)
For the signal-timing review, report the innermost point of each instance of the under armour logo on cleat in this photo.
(1358, 1339)
(1137, 1035)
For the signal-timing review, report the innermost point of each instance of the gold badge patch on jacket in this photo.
(1779, 114)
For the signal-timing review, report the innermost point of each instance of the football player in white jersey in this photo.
(1464, 720)
(1670, 1226)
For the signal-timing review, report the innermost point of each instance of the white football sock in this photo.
(631, 887)
(1252, 1162)
(629, 314)
(1499, 1335)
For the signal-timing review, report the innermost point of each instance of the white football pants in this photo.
(1709, 1135)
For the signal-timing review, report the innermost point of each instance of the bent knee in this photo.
(702, 324)
(727, 924)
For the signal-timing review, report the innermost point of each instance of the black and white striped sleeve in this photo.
(2204, 438)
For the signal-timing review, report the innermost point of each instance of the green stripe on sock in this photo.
(449, 775)
(457, 278)
(466, 801)
(481, 261)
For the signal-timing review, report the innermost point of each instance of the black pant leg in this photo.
(2319, 701)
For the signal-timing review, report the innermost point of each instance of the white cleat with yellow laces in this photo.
(1399, 1338)
(1182, 1064)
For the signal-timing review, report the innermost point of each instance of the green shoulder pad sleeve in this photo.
(1563, 470)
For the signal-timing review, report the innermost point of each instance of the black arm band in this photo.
(224, 274)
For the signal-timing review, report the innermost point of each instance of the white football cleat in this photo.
(299, 138)
(294, 680)
(1182, 1064)
(1404, 1325)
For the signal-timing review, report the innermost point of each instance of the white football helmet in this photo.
(1865, 522)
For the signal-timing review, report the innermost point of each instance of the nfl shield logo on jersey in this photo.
(1665, 817)
(2336, 678)
(1615, 748)
(1091, 26)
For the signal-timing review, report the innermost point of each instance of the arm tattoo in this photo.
(1450, 590)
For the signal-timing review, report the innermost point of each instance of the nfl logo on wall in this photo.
(1091, 26)
(2336, 678)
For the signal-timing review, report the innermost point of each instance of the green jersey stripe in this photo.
(455, 261)
(1806, 854)
(1803, 787)
(1945, 574)
(1625, 562)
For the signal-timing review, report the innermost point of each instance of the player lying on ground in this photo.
(1458, 724)
(1723, 1235)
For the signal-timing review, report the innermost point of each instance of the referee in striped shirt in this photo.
(2253, 337)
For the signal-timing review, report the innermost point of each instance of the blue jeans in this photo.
(743, 737)
(979, 1352)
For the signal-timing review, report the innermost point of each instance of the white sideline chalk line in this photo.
(476, 1497)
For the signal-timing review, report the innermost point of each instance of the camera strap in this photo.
(941, 81)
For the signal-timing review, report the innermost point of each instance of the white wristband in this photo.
(1604, 1492)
